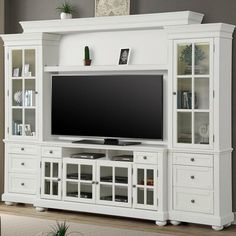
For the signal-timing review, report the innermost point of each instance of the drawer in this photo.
(146, 157)
(22, 149)
(20, 183)
(22, 163)
(51, 152)
(193, 177)
(192, 159)
(193, 200)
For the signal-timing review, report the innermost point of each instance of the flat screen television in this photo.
(108, 106)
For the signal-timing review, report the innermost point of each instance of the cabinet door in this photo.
(22, 92)
(79, 180)
(145, 187)
(114, 183)
(51, 178)
(193, 93)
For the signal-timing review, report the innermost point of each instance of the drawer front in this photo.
(20, 183)
(22, 149)
(193, 177)
(193, 200)
(51, 152)
(22, 163)
(146, 157)
(193, 159)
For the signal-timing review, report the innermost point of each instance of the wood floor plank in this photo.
(117, 222)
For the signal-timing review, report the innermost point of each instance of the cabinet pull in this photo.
(36, 92)
(134, 186)
(174, 93)
(22, 163)
(145, 157)
(22, 184)
(192, 159)
(93, 182)
(192, 177)
(97, 182)
(58, 179)
(192, 201)
(22, 149)
(51, 152)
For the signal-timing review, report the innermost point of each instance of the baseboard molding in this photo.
(234, 223)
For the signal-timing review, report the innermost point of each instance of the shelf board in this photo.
(107, 69)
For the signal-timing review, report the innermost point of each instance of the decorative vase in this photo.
(87, 62)
(65, 15)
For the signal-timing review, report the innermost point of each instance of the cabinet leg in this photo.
(9, 203)
(175, 222)
(227, 225)
(161, 223)
(40, 209)
(217, 228)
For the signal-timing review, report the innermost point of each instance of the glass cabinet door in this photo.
(192, 92)
(79, 180)
(114, 183)
(51, 178)
(23, 92)
(145, 186)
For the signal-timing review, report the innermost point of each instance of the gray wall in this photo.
(214, 10)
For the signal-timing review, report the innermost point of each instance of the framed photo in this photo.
(124, 56)
(112, 7)
(27, 70)
(16, 72)
(19, 129)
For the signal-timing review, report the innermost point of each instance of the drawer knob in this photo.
(22, 163)
(192, 201)
(145, 157)
(22, 184)
(192, 177)
(134, 186)
(192, 159)
(51, 152)
(22, 149)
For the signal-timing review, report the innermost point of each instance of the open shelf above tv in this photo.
(158, 69)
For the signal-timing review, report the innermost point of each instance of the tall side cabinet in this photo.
(184, 178)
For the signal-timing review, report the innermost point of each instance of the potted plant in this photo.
(66, 9)
(87, 60)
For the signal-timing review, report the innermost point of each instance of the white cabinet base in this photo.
(40, 209)
(9, 203)
(175, 222)
(217, 228)
(161, 223)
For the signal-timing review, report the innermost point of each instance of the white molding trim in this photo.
(113, 23)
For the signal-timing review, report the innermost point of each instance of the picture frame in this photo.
(19, 129)
(27, 70)
(16, 72)
(112, 7)
(124, 56)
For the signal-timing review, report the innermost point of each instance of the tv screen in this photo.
(108, 106)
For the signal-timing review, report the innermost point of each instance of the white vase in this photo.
(65, 15)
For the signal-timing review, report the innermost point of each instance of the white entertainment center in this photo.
(184, 178)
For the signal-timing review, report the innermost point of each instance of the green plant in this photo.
(86, 53)
(66, 8)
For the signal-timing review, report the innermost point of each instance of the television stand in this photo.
(107, 142)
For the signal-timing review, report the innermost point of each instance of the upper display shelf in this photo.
(114, 23)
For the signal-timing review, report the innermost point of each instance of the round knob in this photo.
(22, 149)
(51, 152)
(36, 92)
(145, 157)
(134, 186)
(58, 179)
(192, 159)
(22, 184)
(97, 182)
(192, 177)
(174, 93)
(22, 163)
(192, 201)
(93, 182)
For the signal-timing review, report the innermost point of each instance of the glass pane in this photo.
(105, 174)
(121, 175)
(72, 189)
(140, 195)
(202, 93)
(140, 177)
(201, 58)
(86, 172)
(17, 127)
(201, 128)
(150, 197)
(72, 171)
(29, 98)
(121, 194)
(55, 170)
(17, 99)
(16, 63)
(54, 188)
(184, 59)
(105, 192)
(30, 122)
(29, 69)
(184, 134)
(86, 190)
(47, 169)
(150, 177)
(184, 94)
(47, 187)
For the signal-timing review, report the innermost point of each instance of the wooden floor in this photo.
(117, 222)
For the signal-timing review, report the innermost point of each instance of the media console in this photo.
(184, 178)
